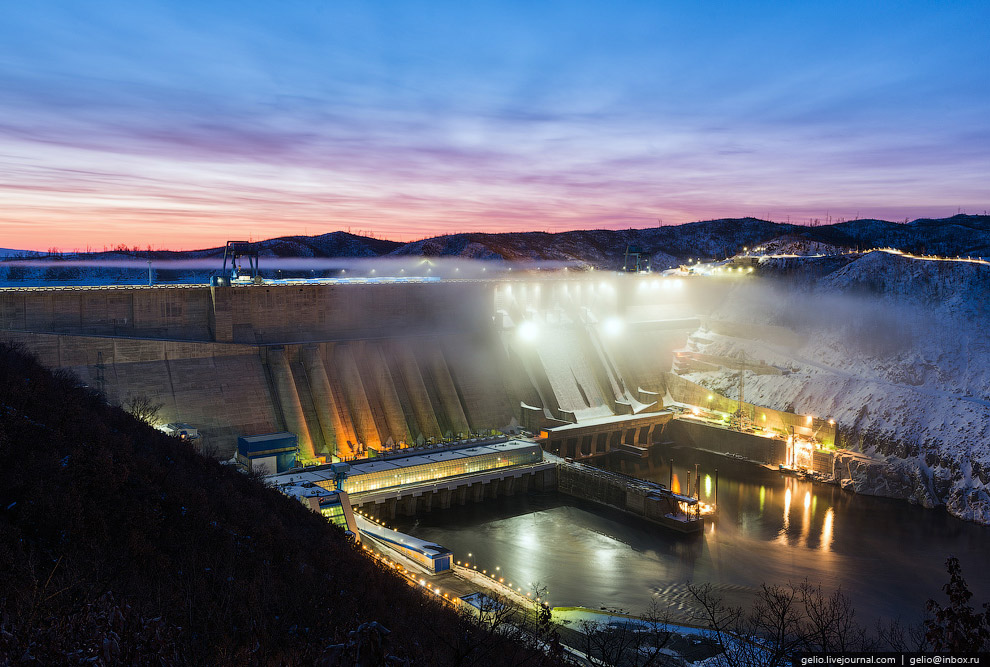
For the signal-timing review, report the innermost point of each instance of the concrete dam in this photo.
(356, 365)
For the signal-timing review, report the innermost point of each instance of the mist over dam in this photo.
(352, 365)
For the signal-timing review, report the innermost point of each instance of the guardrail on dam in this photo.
(352, 365)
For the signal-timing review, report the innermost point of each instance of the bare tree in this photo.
(830, 621)
(722, 621)
(775, 623)
(631, 643)
(782, 621)
(657, 634)
(894, 635)
(143, 408)
(491, 633)
(495, 614)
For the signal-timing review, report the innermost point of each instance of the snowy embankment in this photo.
(891, 348)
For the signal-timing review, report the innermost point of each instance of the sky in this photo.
(185, 124)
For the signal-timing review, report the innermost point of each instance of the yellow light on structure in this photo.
(832, 422)
(809, 420)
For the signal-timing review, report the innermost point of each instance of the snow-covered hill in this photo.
(893, 349)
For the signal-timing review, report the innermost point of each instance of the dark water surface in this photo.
(887, 555)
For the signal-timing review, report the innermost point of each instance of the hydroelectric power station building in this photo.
(359, 366)
(383, 473)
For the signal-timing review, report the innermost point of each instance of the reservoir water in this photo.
(887, 555)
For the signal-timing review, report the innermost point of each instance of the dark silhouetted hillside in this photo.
(711, 239)
(120, 545)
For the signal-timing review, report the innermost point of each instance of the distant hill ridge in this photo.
(603, 248)
(960, 234)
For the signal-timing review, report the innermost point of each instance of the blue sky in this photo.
(186, 123)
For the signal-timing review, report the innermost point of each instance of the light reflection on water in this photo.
(826, 540)
(887, 555)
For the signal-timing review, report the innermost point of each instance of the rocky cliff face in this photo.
(892, 348)
(914, 479)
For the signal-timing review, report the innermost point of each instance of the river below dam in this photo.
(888, 556)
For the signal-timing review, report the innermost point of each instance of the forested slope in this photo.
(120, 545)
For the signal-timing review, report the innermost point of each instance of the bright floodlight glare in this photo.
(529, 331)
(613, 326)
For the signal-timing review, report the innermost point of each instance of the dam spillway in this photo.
(353, 366)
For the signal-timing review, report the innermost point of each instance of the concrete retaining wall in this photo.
(686, 432)
(692, 434)
(692, 393)
(249, 313)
